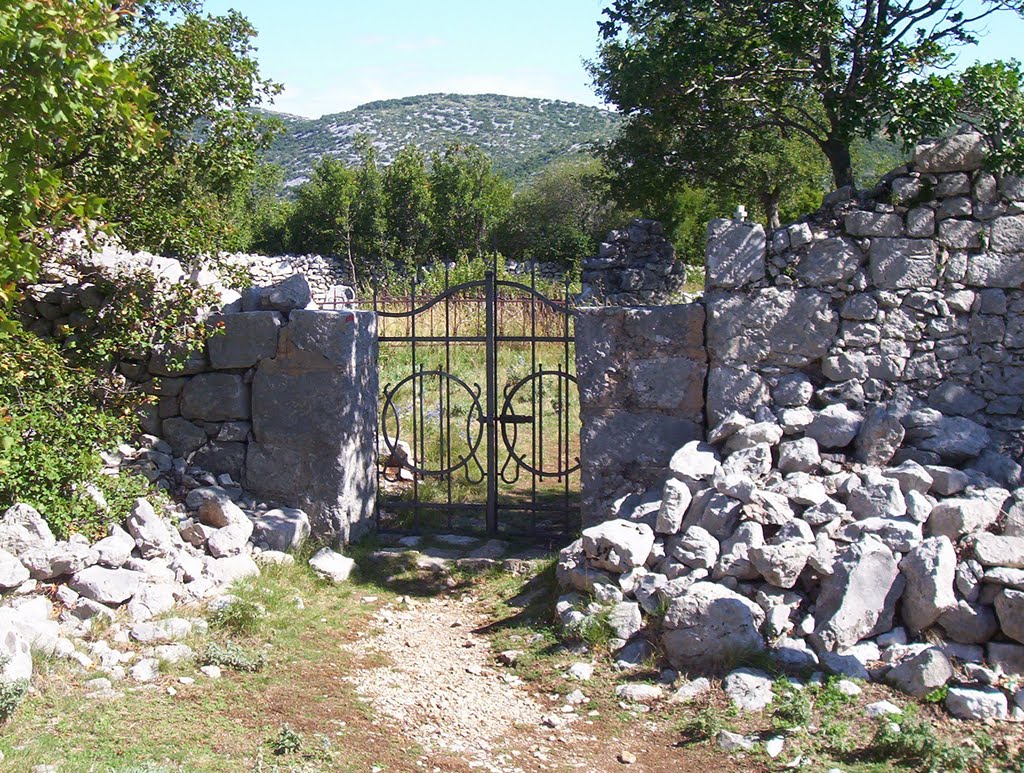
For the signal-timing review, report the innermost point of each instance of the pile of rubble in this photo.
(56, 590)
(769, 538)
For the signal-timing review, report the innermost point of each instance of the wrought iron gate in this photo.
(479, 426)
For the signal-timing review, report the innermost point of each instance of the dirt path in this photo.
(440, 682)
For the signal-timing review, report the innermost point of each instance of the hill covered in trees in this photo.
(520, 135)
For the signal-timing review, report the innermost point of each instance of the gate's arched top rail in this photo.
(561, 308)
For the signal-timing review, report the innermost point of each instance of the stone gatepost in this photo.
(314, 412)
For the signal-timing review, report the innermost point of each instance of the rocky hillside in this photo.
(521, 135)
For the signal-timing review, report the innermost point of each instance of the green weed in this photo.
(241, 617)
(287, 741)
(232, 656)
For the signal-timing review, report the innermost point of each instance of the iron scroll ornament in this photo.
(474, 418)
(508, 418)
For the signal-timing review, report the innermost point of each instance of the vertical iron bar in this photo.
(533, 396)
(492, 408)
(448, 384)
(380, 418)
(415, 428)
(568, 369)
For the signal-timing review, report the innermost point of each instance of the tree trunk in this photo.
(770, 202)
(838, 154)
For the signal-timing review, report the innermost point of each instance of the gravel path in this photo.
(441, 683)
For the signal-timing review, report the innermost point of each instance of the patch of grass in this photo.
(912, 741)
(241, 617)
(11, 695)
(792, 707)
(704, 725)
(938, 695)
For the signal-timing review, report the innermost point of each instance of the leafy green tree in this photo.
(562, 214)
(176, 199)
(470, 198)
(688, 72)
(369, 223)
(408, 203)
(322, 220)
(57, 91)
(989, 97)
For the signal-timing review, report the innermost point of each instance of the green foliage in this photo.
(287, 741)
(470, 198)
(792, 706)
(938, 695)
(911, 740)
(178, 198)
(233, 656)
(54, 420)
(703, 726)
(58, 95)
(408, 204)
(693, 79)
(241, 617)
(989, 97)
(562, 214)
(11, 694)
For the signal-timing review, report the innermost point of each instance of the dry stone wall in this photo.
(280, 402)
(641, 373)
(908, 296)
(636, 266)
(855, 504)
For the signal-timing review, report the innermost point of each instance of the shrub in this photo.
(232, 656)
(912, 741)
(11, 694)
(240, 617)
(287, 741)
(52, 427)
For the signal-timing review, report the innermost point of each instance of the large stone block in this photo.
(830, 261)
(1008, 235)
(623, 447)
(960, 153)
(221, 459)
(710, 627)
(733, 389)
(903, 263)
(215, 397)
(314, 418)
(874, 224)
(789, 327)
(992, 269)
(244, 339)
(735, 253)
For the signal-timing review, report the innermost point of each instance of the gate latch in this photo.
(511, 418)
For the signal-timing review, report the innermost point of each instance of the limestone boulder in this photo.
(61, 558)
(710, 626)
(858, 600)
(243, 339)
(282, 529)
(930, 570)
(230, 540)
(151, 532)
(1010, 610)
(285, 296)
(22, 527)
(921, 674)
(332, 566)
(953, 518)
(116, 548)
(107, 586)
(618, 545)
(835, 426)
(994, 550)
(12, 572)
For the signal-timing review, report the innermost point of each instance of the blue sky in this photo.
(333, 55)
